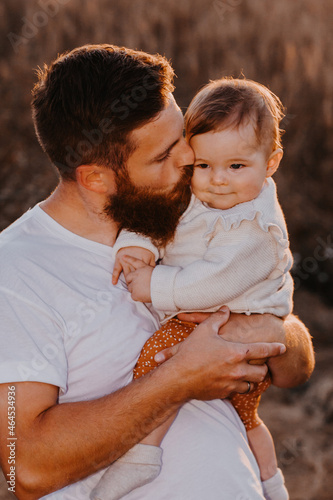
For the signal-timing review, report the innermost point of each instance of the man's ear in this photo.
(273, 162)
(91, 177)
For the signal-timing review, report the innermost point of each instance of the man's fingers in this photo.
(245, 387)
(262, 350)
(200, 317)
(258, 361)
(195, 317)
(213, 323)
(218, 319)
(252, 374)
(162, 356)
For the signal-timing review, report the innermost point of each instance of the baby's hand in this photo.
(138, 280)
(142, 254)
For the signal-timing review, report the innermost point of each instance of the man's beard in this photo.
(147, 211)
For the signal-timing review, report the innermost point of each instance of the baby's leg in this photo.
(156, 436)
(173, 332)
(262, 445)
(261, 442)
(141, 464)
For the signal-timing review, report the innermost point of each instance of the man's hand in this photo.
(121, 264)
(292, 368)
(227, 365)
(138, 279)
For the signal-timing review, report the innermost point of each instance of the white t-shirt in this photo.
(64, 323)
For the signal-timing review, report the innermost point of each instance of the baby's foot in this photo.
(274, 487)
(137, 467)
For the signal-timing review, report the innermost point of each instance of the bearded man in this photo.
(69, 339)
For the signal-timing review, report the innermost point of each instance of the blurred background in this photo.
(286, 45)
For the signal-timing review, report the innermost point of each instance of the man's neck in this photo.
(81, 215)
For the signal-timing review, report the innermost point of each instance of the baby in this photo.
(230, 248)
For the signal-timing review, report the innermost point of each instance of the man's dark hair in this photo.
(86, 103)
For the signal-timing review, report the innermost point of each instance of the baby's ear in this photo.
(273, 162)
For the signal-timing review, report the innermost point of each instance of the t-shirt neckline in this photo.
(53, 226)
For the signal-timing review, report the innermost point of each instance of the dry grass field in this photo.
(286, 45)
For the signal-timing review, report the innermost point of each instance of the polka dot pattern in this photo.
(247, 404)
(174, 332)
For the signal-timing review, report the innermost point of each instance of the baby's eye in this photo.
(236, 166)
(202, 165)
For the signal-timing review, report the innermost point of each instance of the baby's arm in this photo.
(138, 279)
(234, 262)
(142, 255)
(134, 245)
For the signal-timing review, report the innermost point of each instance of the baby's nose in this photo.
(220, 177)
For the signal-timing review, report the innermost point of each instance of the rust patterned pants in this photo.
(175, 331)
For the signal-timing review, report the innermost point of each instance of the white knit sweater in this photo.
(238, 257)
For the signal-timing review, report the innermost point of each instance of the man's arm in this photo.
(58, 444)
(288, 370)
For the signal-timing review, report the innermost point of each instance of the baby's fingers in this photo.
(118, 267)
(134, 262)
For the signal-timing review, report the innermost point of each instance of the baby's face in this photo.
(229, 168)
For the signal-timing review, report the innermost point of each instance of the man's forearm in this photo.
(73, 440)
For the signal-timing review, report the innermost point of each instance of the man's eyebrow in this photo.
(164, 153)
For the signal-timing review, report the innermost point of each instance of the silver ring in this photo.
(248, 388)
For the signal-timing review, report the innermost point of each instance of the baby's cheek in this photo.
(196, 191)
(197, 182)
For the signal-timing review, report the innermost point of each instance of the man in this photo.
(70, 339)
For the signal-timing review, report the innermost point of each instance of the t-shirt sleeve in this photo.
(31, 342)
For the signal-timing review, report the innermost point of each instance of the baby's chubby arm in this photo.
(134, 245)
(142, 258)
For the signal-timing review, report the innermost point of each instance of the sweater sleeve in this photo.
(130, 239)
(234, 262)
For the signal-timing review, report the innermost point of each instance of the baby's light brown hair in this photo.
(230, 102)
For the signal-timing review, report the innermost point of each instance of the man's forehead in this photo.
(162, 131)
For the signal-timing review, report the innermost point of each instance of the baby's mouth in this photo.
(219, 193)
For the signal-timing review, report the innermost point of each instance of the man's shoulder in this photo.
(15, 230)
(18, 241)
